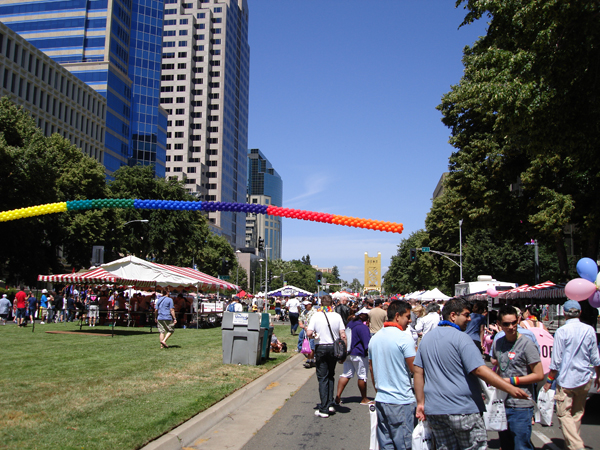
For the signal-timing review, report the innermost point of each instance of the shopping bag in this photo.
(422, 437)
(305, 347)
(373, 442)
(546, 406)
(495, 414)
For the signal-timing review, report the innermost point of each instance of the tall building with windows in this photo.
(265, 187)
(115, 47)
(204, 89)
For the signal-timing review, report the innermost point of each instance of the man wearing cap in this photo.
(574, 354)
(357, 362)
(377, 316)
(44, 306)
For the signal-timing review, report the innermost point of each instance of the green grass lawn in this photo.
(60, 391)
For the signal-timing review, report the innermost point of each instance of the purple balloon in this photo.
(595, 299)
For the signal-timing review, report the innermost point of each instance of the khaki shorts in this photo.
(165, 326)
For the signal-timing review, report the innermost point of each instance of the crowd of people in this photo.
(94, 306)
(434, 361)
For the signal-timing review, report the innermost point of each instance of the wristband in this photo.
(549, 379)
(514, 381)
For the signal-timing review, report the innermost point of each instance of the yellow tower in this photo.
(372, 273)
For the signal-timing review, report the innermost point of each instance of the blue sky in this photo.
(342, 102)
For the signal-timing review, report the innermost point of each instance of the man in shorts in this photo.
(94, 311)
(165, 317)
(21, 303)
(357, 360)
(4, 308)
(32, 306)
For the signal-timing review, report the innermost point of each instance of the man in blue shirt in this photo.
(391, 356)
(447, 366)
(165, 317)
(33, 305)
(44, 306)
(573, 356)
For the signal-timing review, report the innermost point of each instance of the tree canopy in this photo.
(523, 120)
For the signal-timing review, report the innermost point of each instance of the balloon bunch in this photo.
(174, 205)
(587, 286)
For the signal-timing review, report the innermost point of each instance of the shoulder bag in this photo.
(339, 346)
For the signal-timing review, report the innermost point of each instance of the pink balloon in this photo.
(579, 289)
(594, 299)
(492, 292)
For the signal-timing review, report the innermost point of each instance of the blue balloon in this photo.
(587, 269)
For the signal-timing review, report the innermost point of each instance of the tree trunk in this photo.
(563, 262)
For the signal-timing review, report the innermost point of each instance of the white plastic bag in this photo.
(546, 406)
(373, 442)
(422, 437)
(495, 414)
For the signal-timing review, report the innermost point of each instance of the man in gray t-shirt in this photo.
(519, 363)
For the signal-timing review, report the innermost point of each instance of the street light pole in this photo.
(237, 267)
(460, 222)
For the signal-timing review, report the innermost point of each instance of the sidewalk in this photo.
(233, 421)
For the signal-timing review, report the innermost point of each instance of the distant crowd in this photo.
(438, 364)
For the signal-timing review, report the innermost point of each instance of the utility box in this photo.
(243, 335)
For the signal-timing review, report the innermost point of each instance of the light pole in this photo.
(266, 271)
(536, 267)
(253, 282)
(237, 266)
(260, 277)
(460, 222)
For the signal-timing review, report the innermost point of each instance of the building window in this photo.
(177, 169)
(181, 76)
(180, 99)
(178, 158)
(170, 11)
(166, 78)
(191, 170)
(183, 43)
(183, 21)
(180, 88)
(180, 123)
(179, 134)
(179, 111)
(182, 55)
(181, 65)
(178, 147)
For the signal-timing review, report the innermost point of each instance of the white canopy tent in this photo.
(288, 291)
(434, 294)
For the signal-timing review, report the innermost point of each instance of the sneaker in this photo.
(41, 323)
(331, 410)
(320, 414)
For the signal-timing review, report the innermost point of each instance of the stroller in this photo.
(284, 314)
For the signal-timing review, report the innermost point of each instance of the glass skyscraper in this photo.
(115, 47)
(264, 187)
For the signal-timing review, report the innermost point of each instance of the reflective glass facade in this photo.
(97, 40)
(265, 187)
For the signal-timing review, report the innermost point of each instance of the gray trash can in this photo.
(242, 338)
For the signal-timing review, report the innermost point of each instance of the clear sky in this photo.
(342, 103)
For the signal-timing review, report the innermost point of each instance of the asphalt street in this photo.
(295, 426)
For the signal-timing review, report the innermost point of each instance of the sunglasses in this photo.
(508, 324)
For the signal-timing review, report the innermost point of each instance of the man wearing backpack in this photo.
(326, 326)
(235, 305)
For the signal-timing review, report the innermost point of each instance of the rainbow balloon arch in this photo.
(174, 205)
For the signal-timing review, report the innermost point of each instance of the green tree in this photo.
(36, 170)
(523, 121)
(355, 285)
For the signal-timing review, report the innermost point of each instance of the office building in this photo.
(265, 187)
(114, 46)
(58, 101)
(204, 89)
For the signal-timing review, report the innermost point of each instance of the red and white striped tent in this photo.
(93, 276)
(133, 271)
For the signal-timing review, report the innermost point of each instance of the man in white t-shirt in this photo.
(319, 328)
(293, 307)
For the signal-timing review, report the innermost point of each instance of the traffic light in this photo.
(413, 254)
(261, 244)
(319, 277)
(224, 266)
(270, 276)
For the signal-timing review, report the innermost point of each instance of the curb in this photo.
(189, 431)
